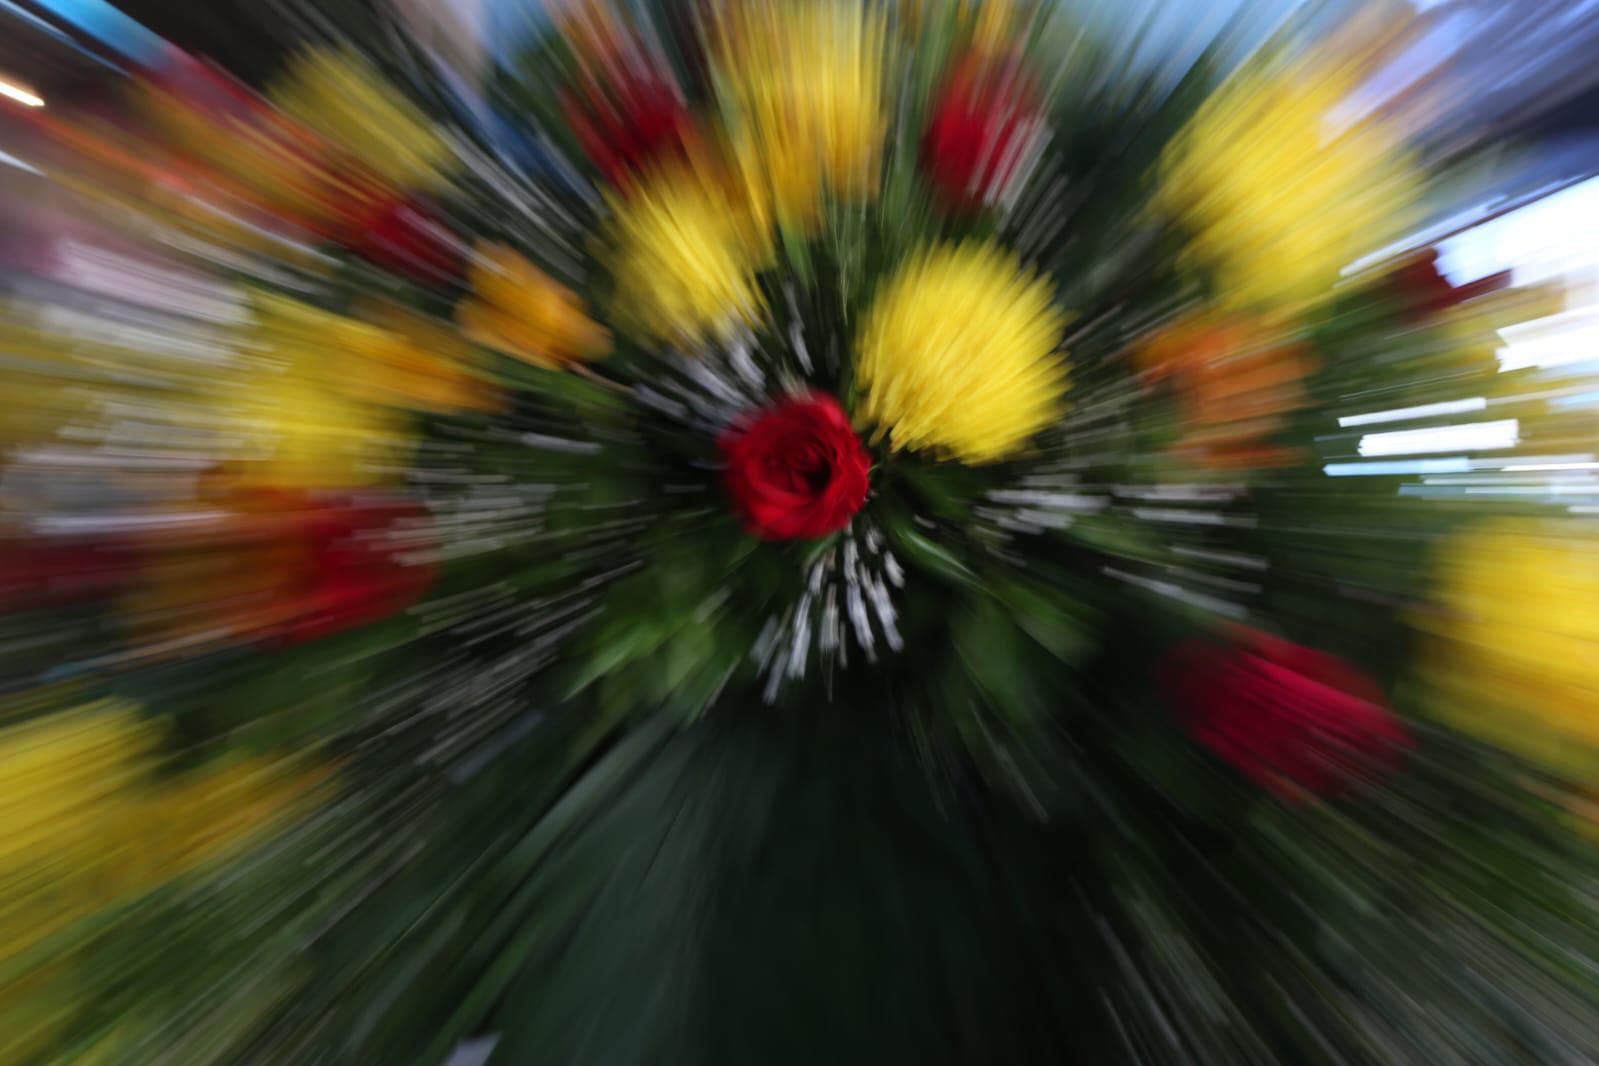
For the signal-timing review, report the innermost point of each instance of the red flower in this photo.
(795, 471)
(53, 572)
(350, 571)
(979, 132)
(1424, 292)
(395, 232)
(634, 120)
(1291, 719)
(284, 566)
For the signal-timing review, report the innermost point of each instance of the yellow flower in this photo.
(391, 357)
(804, 84)
(522, 311)
(295, 416)
(87, 823)
(413, 362)
(1515, 655)
(341, 95)
(87, 820)
(66, 774)
(958, 354)
(298, 431)
(1279, 190)
(684, 257)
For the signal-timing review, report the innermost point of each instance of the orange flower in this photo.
(520, 310)
(1235, 381)
(417, 363)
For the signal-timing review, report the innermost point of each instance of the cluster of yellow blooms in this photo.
(325, 405)
(307, 413)
(802, 83)
(959, 352)
(958, 355)
(1515, 640)
(88, 823)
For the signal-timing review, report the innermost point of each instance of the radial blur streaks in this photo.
(799, 531)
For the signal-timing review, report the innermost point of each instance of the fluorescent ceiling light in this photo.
(1471, 437)
(1456, 465)
(1400, 414)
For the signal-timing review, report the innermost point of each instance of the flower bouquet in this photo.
(854, 536)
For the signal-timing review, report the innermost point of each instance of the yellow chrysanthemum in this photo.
(1516, 652)
(522, 311)
(1279, 191)
(804, 85)
(958, 354)
(341, 95)
(685, 257)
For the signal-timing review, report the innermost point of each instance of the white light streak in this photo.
(1426, 410)
(1456, 465)
(20, 95)
(9, 160)
(1555, 340)
(1523, 467)
(1540, 241)
(1476, 436)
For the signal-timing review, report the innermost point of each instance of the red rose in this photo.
(796, 470)
(1291, 719)
(978, 133)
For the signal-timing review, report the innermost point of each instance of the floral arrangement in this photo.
(831, 544)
